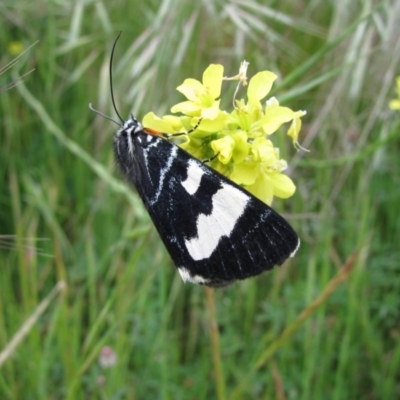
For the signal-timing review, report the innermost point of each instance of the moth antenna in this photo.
(111, 81)
(103, 115)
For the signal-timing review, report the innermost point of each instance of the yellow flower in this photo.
(294, 130)
(167, 124)
(395, 104)
(262, 174)
(260, 85)
(257, 122)
(202, 97)
(238, 143)
(201, 103)
(233, 146)
(223, 147)
(247, 115)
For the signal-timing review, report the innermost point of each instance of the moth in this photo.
(214, 230)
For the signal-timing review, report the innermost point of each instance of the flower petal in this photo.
(211, 112)
(167, 124)
(263, 151)
(223, 148)
(274, 118)
(260, 85)
(187, 107)
(242, 147)
(283, 185)
(191, 88)
(212, 80)
(394, 104)
(271, 102)
(262, 189)
(245, 173)
(214, 125)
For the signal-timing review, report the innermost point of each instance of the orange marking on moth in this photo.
(153, 132)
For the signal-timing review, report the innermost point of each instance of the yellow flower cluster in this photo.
(238, 141)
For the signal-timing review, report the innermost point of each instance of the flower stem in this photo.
(216, 354)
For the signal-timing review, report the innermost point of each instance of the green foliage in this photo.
(74, 221)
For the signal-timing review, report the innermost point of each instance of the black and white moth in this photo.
(214, 230)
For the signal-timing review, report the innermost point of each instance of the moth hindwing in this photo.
(215, 231)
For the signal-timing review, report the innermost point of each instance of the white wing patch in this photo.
(187, 277)
(228, 204)
(295, 250)
(194, 174)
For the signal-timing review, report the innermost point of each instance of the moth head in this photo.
(130, 127)
(124, 142)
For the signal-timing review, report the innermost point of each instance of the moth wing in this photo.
(215, 231)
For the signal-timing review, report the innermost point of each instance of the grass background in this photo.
(85, 268)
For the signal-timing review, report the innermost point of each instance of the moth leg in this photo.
(210, 159)
(169, 135)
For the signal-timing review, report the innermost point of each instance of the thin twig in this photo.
(333, 284)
